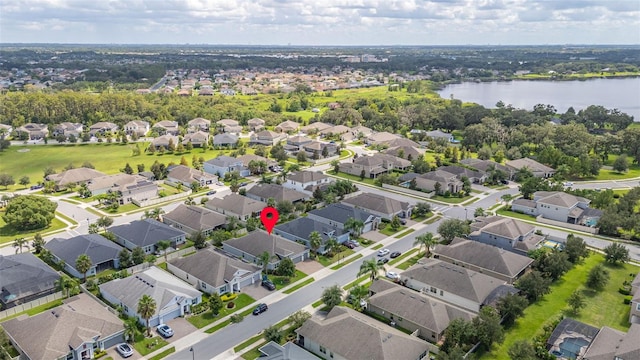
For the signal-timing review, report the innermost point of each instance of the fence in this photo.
(151, 202)
(408, 191)
(586, 229)
(30, 305)
(160, 259)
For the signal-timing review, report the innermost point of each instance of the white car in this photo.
(392, 275)
(124, 350)
(383, 252)
(568, 184)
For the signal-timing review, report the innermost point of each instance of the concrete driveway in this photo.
(374, 236)
(256, 291)
(309, 266)
(116, 356)
(181, 328)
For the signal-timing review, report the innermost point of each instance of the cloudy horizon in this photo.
(326, 22)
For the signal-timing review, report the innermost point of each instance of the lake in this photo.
(622, 94)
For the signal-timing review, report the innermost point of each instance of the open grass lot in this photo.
(8, 233)
(634, 172)
(603, 308)
(353, 178)
(108, 158)
(207, 317)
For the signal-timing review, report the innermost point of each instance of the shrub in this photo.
(627, 300)
(228, 297)
(231, 305)
(624, 290)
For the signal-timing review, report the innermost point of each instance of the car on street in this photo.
(219, 183)
(260, 309)
(36, 187)
(165, 330)
(383, 252)
(383, 261)
(392, 275)
(267, 284)
(211, 192)
(568, 184)
(124, 350)
(395, 254)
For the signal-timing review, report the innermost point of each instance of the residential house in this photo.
(33, 131)
(166, 127)
(536, 168)
(205, 91)
(289, 351)
(634, 314)
(225, 140)
(24, 278)
(612, 344)
(129, 188)
(266, 137)
(102, 252)
(147, 234)
(192, 219)
(485, 166)
(405, 152)
(68, 128)
(380, 138)
(73, 177)
(454, 284)
(238, 206)
(247, 158)
(251, 246)
(506, 233)
(164, 141)
(375, 165)
(382, 206)
(335, 130)
(224, 164)
(256, 124)
(138, 127)
(448, 182)
(337, 215)
(198, 124)
(400, 141)
(307, 181)
(287, 127)
(196, 138)
(315, 128)
(559, 206)
(474, 176)
(264, 192)
(314, 149)
(103, 128)
(424, 316)
(181, 174)
(348, 334)
(438, 134)
(214, 273)
(5, 130)
(74, 330)
(229, 126)
(487, 259)
(361, 131)
(173, 297)
(297, 142)
(299, 229)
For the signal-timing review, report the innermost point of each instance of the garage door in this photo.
(166, 317)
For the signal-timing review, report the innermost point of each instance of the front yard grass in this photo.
(602, 308)
(451, 199)
(410, 262)
(346, 262)
(326, 261)
(403, 256)
(389, 231)
(404, 233)
(207, 317)
(145, 345)
(353, 178)
(298, 286)
(283, 281)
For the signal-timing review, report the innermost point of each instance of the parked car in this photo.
(403, 221)
(211, 192)
(383, 252)
(568, 184)
(244, 184)
(124, 350)
(504, 182)
(36, 187)
(165, 330)
(349, 244)
(260, 309)
(267, 284)
(383, 261)
(392, 275)
(395, 254)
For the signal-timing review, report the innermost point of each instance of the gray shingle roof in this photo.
(22, 275)
(353, 335)
(145, 232)
(98, 248)
(74, 176)
(558, 198)
(196, 217)
(236, 204)
(524, 202)
(377, 203)
(306, 176)
(504, 227)
(531, 164)
(213, 268)
(257, 242)
(302, 227)
(223, 161)
(340, 213)
(225, 138)
(49, 334)
(277, 192)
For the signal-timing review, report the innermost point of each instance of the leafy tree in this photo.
(298, 318)
(332, 296)
(576, 301)
(94, 228)
(273, 333)
(553, 264)
(455, 353)
(83, 264)
(104, 222)
(137, 256)
(451, 228)
(19, 243)
(285, 207)
(616, 253)
(215, 304)
(130, 330)
(286, 268)
(459, 333)
(370, 267)
(199, 240)
(426, 240)
(534, 285)
(336, 166)
(127, 169)
(437, 187)
(421, 209)
(395, 223)
(24, 181)
(478, 212)
(620, 164)
(522, 350)
(598, 278)
(331, 245)
(487, 327)
(29, 212)
(6, 180)
(301, 156)
(38, 243)
(511, 307)
(63, 284)
(576, 249)
(147, 308)
(124, 258)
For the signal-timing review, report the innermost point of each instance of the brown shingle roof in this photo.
(196, 217)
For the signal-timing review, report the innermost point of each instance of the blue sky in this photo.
(322, 22)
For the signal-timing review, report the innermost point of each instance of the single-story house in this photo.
(264, 192)
(225, 139)
(102, 252)
(380, 138)
(255, 124)
(34, 131)
(634, 314)
(229, 126)
(438, 134)
(299, 230)
(536, 168)
(571, 338)
(197, 139)
(266, 137)
(74, 330)
(405, 152)
(74, 176)
(287, 127)
(23, 278)
(129, 188)
(198, 124)
(382, 206)
(274, 351)
(506, 233)
(474, 176)
(181, 174)
(297, 142)
(251, 246)
(247, 158)
(486, 165)
(224, 164)
(164, 141)
(448, 182)
(315, 128)
(214, 273)
(146, 234)
(192, 219)
(337, 215)
(68, 128)
(375, 165)
(612, 344)
(173, 297)
(238, 206)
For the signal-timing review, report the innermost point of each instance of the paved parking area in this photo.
(181, 328)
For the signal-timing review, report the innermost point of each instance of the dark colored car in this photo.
(383, 261)
(395, 254)
(403, 221)
(260, 309)
(36, 187)
(350, 245)
(505, 182)
(211, 192)
(244, 184)
(267, 284)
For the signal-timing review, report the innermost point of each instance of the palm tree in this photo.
(315, 241)
(62, 284)
(146, 309)
(371, 267)
(157, 213)
(19, 243)
(354, 225)
(331, 245)
(332, 296)
(427, 240)
(263, 260)
(163, 245)
(284, 173)
(130, 331)
(38, 243)
(358, 293)
(83, 264)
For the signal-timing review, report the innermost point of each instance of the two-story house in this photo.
(33, 131)
(198, 124)
(129, 188)
(506, 233)
(138, 127)
(68, 128)
(166, 127)
(103, 128)
(229, 126)
(300, 229)
(307, 181)
(559, 206)
(448, 182)
(266, 137)
(255, 124)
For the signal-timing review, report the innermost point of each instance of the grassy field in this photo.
(614, 314)
(8, 234)
(108, 158)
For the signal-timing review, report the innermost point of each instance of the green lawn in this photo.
(8, 234)
(346, 262)
(326, 261)
(410, 262)
(145, 345)
(603, 308)
(207, 317)
(354, 178)
(404, 233)
(36, 310)
(298, 286)
(379, 246)
(218, 327)
(516, 215)
(403, 256)
(164, 354)
(434, 219)
(634, 172)
(281, 281)
(389, 231)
